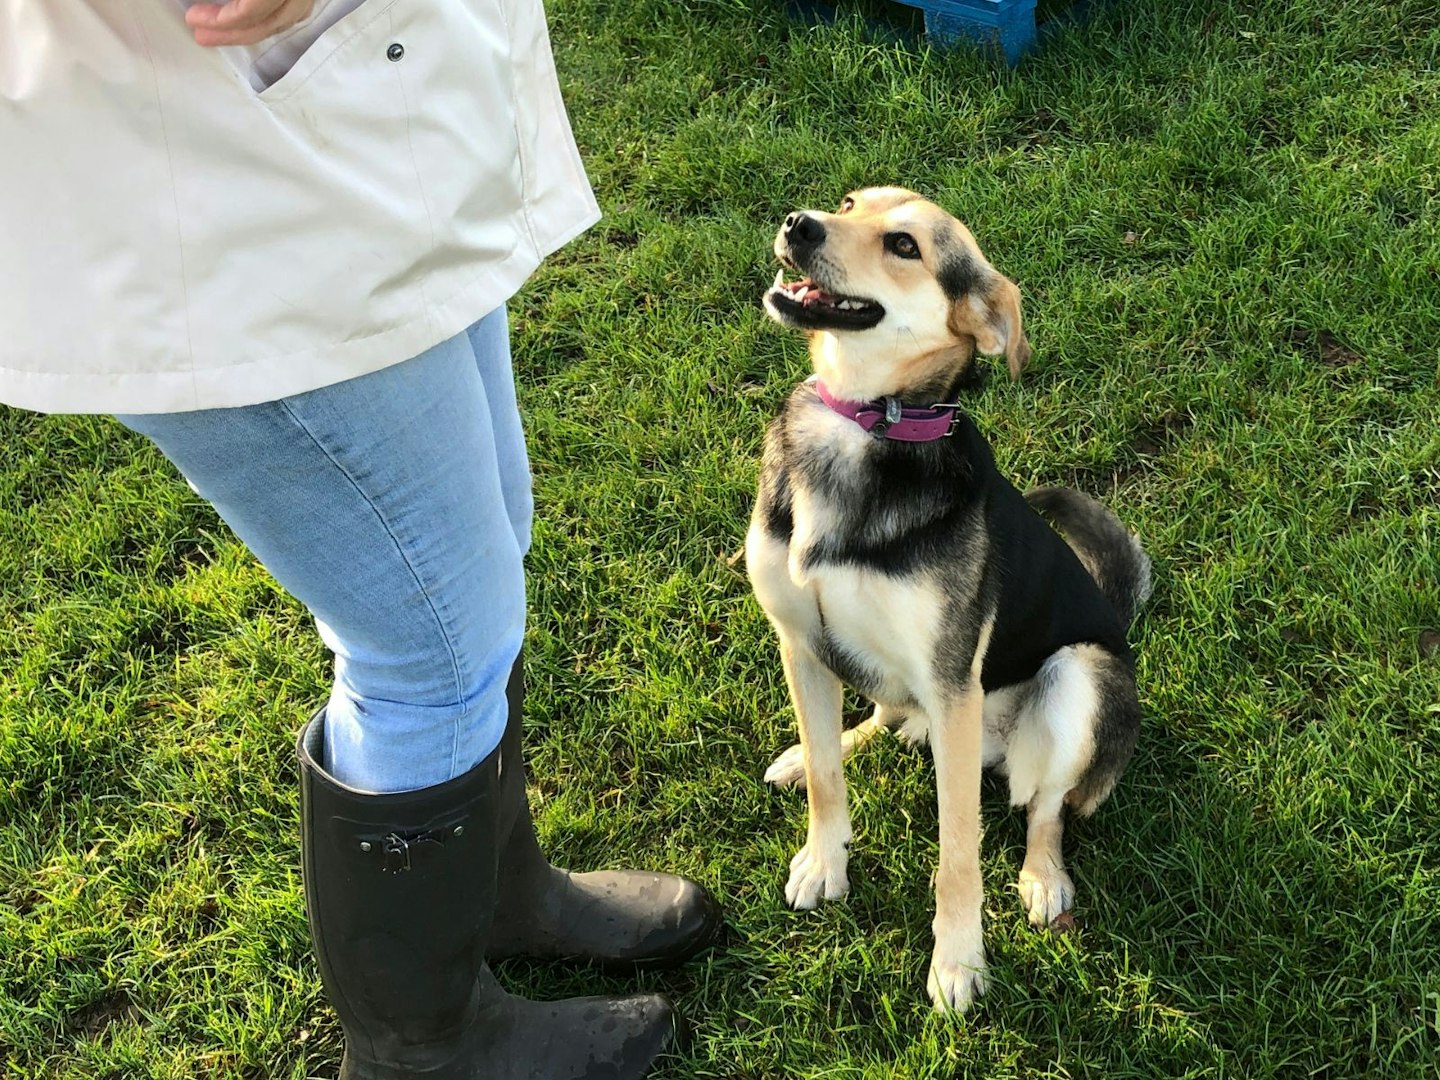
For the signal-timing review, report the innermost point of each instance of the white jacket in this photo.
(185, 228)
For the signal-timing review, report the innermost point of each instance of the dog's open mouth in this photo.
(804, 303)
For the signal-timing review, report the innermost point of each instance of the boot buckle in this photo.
(397, 854)
(398, 849)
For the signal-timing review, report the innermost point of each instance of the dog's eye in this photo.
(847, 204)
(902, 244)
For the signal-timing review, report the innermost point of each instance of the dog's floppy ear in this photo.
(991, 315)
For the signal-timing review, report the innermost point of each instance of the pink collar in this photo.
(887, 418)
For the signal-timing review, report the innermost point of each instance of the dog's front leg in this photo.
(957, 968)
(788, 770)
(819, 870)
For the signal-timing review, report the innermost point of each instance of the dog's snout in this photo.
(803, 231)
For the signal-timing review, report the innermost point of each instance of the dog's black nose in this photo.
(803, 231)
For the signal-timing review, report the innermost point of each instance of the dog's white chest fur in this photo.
(891, 623)
(888, 623)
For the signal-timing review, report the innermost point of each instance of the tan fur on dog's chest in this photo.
(891, 622)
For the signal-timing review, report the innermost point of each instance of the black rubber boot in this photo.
(400, 890)
(612, 918)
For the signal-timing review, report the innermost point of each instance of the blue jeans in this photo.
(397, 507)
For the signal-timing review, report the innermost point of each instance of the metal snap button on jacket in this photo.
(396, 51)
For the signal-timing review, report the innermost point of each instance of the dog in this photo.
(889, 553)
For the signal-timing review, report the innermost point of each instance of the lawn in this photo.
(1224, 218)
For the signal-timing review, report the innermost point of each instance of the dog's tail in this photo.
(1109, 551)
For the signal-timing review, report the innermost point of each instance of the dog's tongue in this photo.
(807, 292)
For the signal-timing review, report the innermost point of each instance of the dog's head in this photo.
(895, 295)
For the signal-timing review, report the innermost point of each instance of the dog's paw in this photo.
(815, 876)
(956, 980)
(787, 770)
(914, 730)
(1046, 895)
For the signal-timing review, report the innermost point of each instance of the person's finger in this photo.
(251, 20)
(233, 15)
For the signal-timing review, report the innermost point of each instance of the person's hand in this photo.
(244, 22)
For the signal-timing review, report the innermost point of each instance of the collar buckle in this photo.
(894, 421)
(894, 412)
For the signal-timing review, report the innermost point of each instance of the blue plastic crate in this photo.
(1006, 24)
(1010, 24)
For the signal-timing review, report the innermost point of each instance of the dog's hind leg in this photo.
(788, 770)
(820, 868)
(1045, 888)
(1071, 742)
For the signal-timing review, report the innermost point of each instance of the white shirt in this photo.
(184, 227)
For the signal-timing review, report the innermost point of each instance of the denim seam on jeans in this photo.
(333, 457)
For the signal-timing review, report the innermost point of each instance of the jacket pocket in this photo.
(265, 63)
(289, 61)
(414, 102)
(379, 175)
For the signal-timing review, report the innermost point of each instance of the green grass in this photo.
(1250, 380)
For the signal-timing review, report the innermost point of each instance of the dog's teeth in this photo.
(779, 279)
(844, 305)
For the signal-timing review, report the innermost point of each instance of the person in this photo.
(277, 240)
